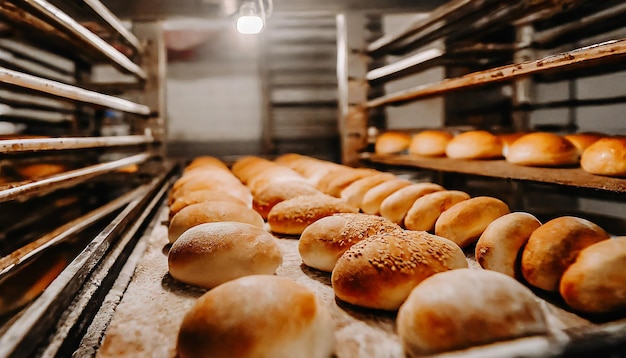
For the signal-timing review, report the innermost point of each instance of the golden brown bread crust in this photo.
(464, 222)
(272, 194)
(374, 197)
(244, 318)
(583, 140)
(239, 191)
(607, 156)
(336, 186)
(211, 211)
(35, 171)
(474, 145)
(596, 281)
(380, 271)
(210, 254)
(463, 308)
(292, 216)
(507, 139)
(201, 196)
(353, 193)
(392, 142)
(205, 161)
(424, 212)
(205, 174)
(542, 149)
(323, 242)
(499, 246)
(396, 205)
(247, 167)
(430, 143)
(553, 247)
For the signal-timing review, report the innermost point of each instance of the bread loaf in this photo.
(542, 149)
(374, 197)
(323, 242)
(211, 211)
(336, 186)
(425, 211)
(607, 157)
(463, 308)
(265, 198)
(499, 246)
(430, 143)
(596, 281)
(205, 161)
(201, 196)
(396, 205)
(507, 139)
(392, 142)
(257, 316)
(380, 271)
(292, 216)
(237, 190)
(210, 254)
(353, 193)
(554, 246)
(583, 140)
(465, 222)
(474, 145)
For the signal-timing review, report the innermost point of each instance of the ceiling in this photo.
(159, 9)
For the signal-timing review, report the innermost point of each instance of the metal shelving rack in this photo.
(65, 234)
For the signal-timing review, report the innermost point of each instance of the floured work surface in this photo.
(146, 322)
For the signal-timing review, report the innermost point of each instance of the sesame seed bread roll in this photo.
(292, 216)
(211, 211)
(606, 157)
(257, 316)
(380, 271)
(596, 281)
(266, 198)
(541, 149)
(430, 143)
(210, 254)
(499, 246)
(201, 196)
(323, 242)
(463, 308)
(553, 247)
(392, 142)
(353, 193)
(465, 222)
(396, 205)
(374, 197)
(425, 211)
(474, 145)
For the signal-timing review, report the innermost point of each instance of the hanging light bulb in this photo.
(251, 18)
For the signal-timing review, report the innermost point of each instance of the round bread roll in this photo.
(380, 271)
(237, 190)
(554, 246)
(542, 149)
(425, 211)
(606, 157)
(474, 145)
(210, 254)
(507, 139)
(218, 176)
(336, 186)
(273, 174)
(266, 198)
(596, 281)
(292, 216)
(396, 205)
(247, 167)
(324, 241)
(465, 222)
(430, 143)
(374, 197)
(463, 308)
(392, 142)
(499, 246)
(257, 316)
(353, 193)
(201, 196)
(583, 140)
(206, 161)
(211, 211)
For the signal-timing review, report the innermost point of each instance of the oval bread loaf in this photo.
(465, 222)
(202, 196)
(210, 254)
(430, 143)
(353, 193)
(474, 145)
(425, 211)
(323, 242)
(596, 281)
(554, 246)
(500, 245)
(463, 308)
(542, 149)
(257, 316)
(606, 157)
(374, 197)
(396, 205)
